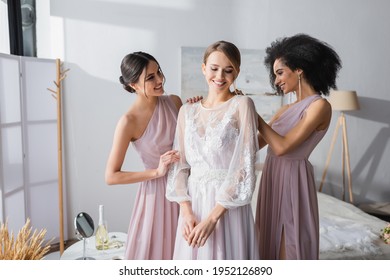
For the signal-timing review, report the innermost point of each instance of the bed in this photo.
(346, 232)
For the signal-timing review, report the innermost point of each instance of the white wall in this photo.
(96, 35)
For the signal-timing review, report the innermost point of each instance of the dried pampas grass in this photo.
(26, 246)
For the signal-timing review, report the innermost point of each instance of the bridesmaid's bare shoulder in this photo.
(177, 100)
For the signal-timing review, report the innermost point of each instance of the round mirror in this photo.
(83, 224)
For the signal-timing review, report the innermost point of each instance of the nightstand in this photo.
(380, 210)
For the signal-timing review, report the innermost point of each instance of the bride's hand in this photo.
(201, 233)
(189, 219)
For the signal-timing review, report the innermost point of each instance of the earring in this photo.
(299, 87)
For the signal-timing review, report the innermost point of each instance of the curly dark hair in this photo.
(318, 61)
(132, 66)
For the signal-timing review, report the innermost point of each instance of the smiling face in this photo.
(151, 81)
(219, 72)
(285, 78)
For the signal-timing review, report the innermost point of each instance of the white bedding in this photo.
(346, 232)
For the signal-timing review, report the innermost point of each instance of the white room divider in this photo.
(29, 176)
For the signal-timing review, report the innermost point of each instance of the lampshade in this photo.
(344, 100)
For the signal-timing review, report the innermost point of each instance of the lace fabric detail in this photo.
(204, 175)
(205, 179)
(244, 179)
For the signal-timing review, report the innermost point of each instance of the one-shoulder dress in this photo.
(152, 228)
(287, 198)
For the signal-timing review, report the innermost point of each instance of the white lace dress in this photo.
(217, 148)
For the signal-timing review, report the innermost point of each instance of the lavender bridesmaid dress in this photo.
(153, 223)
(287, 196)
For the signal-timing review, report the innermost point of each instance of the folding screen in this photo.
(28, 144)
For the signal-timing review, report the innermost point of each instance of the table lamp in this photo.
(342, 100)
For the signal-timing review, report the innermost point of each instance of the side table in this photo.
(115, 252)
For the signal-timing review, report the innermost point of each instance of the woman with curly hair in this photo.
(287, 208)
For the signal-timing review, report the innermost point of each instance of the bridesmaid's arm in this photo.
(114, 174)
(316, 117)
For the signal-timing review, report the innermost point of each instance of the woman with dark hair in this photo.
(149, 125)
(287, 209)
(215, 177)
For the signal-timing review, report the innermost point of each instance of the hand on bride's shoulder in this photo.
(194, 99)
